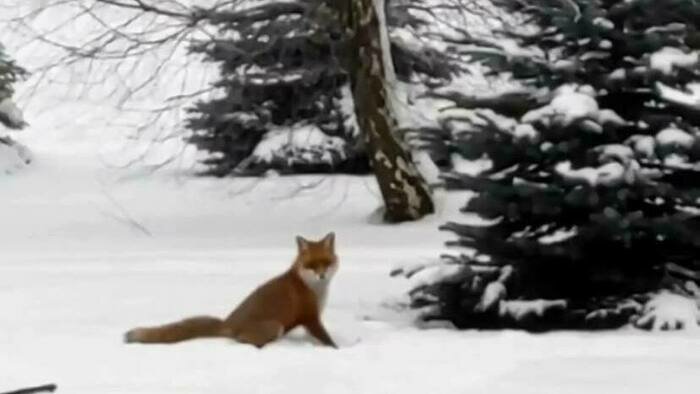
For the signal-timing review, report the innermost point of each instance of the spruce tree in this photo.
(592, 197)
(281, 68)
(278, 70)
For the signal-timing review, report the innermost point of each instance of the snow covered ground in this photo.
(78, 268)
(88, 251)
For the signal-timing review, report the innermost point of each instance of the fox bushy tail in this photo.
(194, 327)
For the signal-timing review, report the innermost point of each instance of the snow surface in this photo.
(90, 249)
(78, 268)
(76, 274)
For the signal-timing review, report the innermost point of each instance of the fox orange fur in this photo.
(295, 298)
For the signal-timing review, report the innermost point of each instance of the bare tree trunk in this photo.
(406, 193)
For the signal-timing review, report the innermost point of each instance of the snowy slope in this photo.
(68, 204)
(73, 317)
(73, 278)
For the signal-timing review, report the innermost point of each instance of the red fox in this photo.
(295, 298)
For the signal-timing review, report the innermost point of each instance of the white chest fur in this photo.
(318, 285)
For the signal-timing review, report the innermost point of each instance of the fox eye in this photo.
(317, 265)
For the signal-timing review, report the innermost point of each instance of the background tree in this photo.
(10, 115)
(370, 67)
(13, 154)
(280, 84)
(591, 198)
(228, 127)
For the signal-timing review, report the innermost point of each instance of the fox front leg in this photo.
(316, 329)
(260, 334)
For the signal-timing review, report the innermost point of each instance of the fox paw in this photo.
(668, 311)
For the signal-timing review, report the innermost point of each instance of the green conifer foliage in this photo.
(592, 195)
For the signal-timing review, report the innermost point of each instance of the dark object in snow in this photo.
(50, 388)
(594, 181)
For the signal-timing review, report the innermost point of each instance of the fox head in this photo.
(317, 262)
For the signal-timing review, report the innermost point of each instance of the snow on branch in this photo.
(573, 104)
(668, 59)
(689, 98)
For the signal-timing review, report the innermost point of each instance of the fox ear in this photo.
(329, 241)
(302, 243)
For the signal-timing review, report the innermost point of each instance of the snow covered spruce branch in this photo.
(590, 188)
(490, 304)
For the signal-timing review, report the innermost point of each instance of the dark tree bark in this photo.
(368, 62)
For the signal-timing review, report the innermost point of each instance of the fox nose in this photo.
(322, 275)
